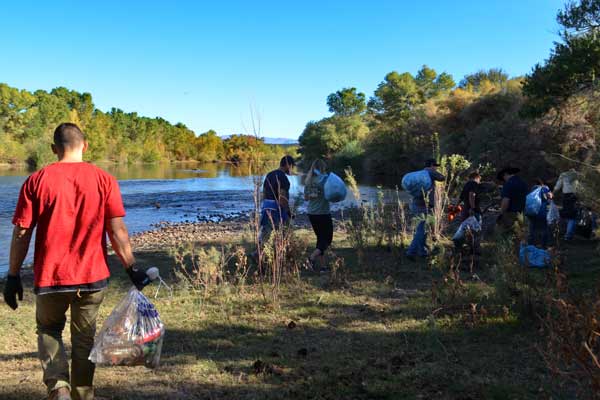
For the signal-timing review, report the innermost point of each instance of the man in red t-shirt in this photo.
(73, 205)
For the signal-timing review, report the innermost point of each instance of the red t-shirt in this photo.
(69, 203)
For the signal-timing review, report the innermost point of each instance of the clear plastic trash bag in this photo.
(553, 214)
(334, 189)
(416, 183)
(131, 335)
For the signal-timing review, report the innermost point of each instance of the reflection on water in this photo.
(180, 170)
(183, 170)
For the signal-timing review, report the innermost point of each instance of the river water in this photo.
(158, 193)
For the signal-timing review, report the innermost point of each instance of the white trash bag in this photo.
(131, 335)
(416, 183)
(469, 224)
(335, 189)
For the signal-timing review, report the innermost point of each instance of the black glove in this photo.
(138, 277)
(12, 288)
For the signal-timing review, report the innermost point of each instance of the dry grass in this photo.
(369, 332)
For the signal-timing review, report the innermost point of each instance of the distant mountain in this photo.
(274, 141)
(281, 141)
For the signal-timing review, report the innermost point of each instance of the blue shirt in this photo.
(516, 190)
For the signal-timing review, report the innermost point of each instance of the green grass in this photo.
(358, 340)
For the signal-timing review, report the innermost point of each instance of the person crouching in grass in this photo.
(319, 211)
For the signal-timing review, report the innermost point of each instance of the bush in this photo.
(202, 270)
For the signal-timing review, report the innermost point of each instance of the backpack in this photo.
(416, 183)
(335, 189)
(533, 202)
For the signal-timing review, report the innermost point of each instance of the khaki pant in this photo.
(50, 320)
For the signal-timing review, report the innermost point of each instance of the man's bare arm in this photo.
(18, 249)
(119, 238)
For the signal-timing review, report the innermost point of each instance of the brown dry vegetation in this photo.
(370, 331)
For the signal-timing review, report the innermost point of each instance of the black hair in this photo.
(67, 136)
(287, 161)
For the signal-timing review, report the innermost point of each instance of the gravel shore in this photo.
(168, 235)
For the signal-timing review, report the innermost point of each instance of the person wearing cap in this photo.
(421, 207)
(72, 205)
(275, 209)
(514, 192)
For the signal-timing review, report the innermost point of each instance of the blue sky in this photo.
(206, 63)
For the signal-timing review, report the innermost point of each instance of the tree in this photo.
(394, 98)
(574, 64)
(346, 102)
(444, 83)
(324, 138)
(495, 76)
(579, 18)
(425, 80)
(431, 84)
(209, 146)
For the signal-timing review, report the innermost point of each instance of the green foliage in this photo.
(580, 18)
(27, 121)
(325, 138)
(431, 84)
(476, 81)
(394, 98)
(573, 64)
(346, 102)
(209, 146)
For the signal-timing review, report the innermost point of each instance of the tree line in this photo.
(538, 122)
(27, 121)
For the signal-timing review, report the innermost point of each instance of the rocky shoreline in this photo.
(215, 228)
(168, 235)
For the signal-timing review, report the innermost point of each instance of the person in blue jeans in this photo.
(539, 233)
(567, 185)
(420, 208)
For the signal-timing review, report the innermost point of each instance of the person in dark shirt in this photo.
(470, 197)
(514, 192)
(419, 208)
(275, 209)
